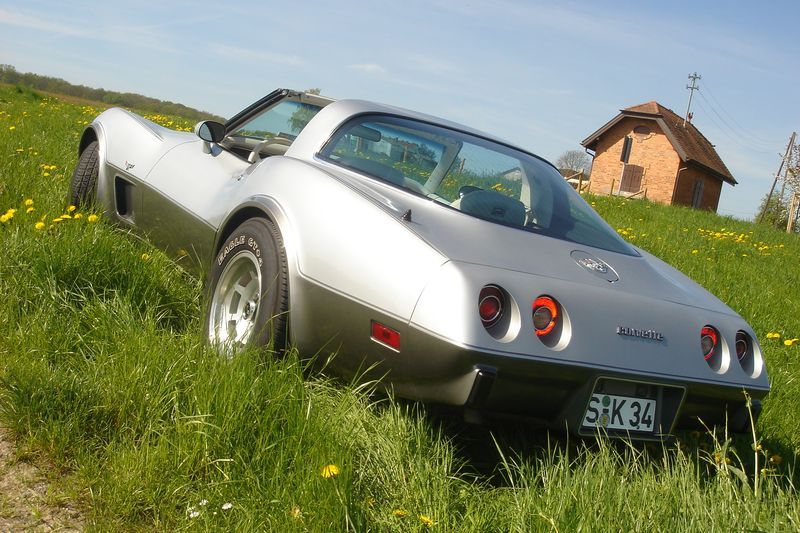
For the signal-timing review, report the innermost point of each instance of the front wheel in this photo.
(249, 290)
(82, 190)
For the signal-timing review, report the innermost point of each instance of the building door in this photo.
(631, 178)
(697, 195)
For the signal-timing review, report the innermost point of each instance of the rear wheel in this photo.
(82, 191)
(249, 290)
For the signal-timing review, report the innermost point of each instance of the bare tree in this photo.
(574, 160)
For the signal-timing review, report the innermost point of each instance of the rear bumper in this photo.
(556, 395)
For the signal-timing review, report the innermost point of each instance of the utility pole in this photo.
(793, 211)
(789, 149)
(793, 203)
(692, 88)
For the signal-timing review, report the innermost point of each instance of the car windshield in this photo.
(284, 120)
(481, 178)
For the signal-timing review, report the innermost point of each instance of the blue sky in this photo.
(543, 75)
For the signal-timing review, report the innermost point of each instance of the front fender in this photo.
(132, 143)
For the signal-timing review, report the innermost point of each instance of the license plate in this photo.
(620, 412)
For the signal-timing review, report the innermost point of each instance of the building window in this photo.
(642, 133)
(697, 195)
(626, 149)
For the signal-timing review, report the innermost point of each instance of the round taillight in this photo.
(545, 315)
(490, 305)
(741, 345)
(708, 341)
(749, 354)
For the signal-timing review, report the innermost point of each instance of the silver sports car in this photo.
(459, 268)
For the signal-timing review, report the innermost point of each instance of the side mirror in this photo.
(210, 132)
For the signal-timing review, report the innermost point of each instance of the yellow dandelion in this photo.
(4, 218)
(399, 513)
(773, 335)
(329, 471)
(30, 210)
(45, 174)
(695, 251)
(145, 257)
(59, 219)
(71, 208)
(77, 216)
(788, 342)
(39, 225)
(425, 520)
(12, 128)
(65, 216)
(28, 202)
(92, 218)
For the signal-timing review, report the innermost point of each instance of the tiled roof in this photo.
(691, 145)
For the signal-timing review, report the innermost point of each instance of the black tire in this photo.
(253, 250)
(82, 190)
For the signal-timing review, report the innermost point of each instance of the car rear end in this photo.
(587, 356)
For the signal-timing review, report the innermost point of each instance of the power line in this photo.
(738, 142)
(750, 142)
(745, 131)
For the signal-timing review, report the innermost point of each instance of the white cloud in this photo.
(256, 55)
(98, 30)
(369, 68)
(31, 22)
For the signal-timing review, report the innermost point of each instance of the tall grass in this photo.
(103, 370)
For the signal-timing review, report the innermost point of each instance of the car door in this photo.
(188, 192)
(183, 198)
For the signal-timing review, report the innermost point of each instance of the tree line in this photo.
(10, 75)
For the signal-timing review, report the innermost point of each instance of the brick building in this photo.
(646, 151)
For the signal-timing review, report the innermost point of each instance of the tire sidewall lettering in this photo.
(229, 247)
(237, 242)
(253, 245)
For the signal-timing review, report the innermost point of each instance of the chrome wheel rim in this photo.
(234, 305)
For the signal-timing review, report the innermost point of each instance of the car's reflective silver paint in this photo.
(361, 250)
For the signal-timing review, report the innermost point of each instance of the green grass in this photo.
(104, 373)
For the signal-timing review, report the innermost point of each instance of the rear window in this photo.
(478, 177)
